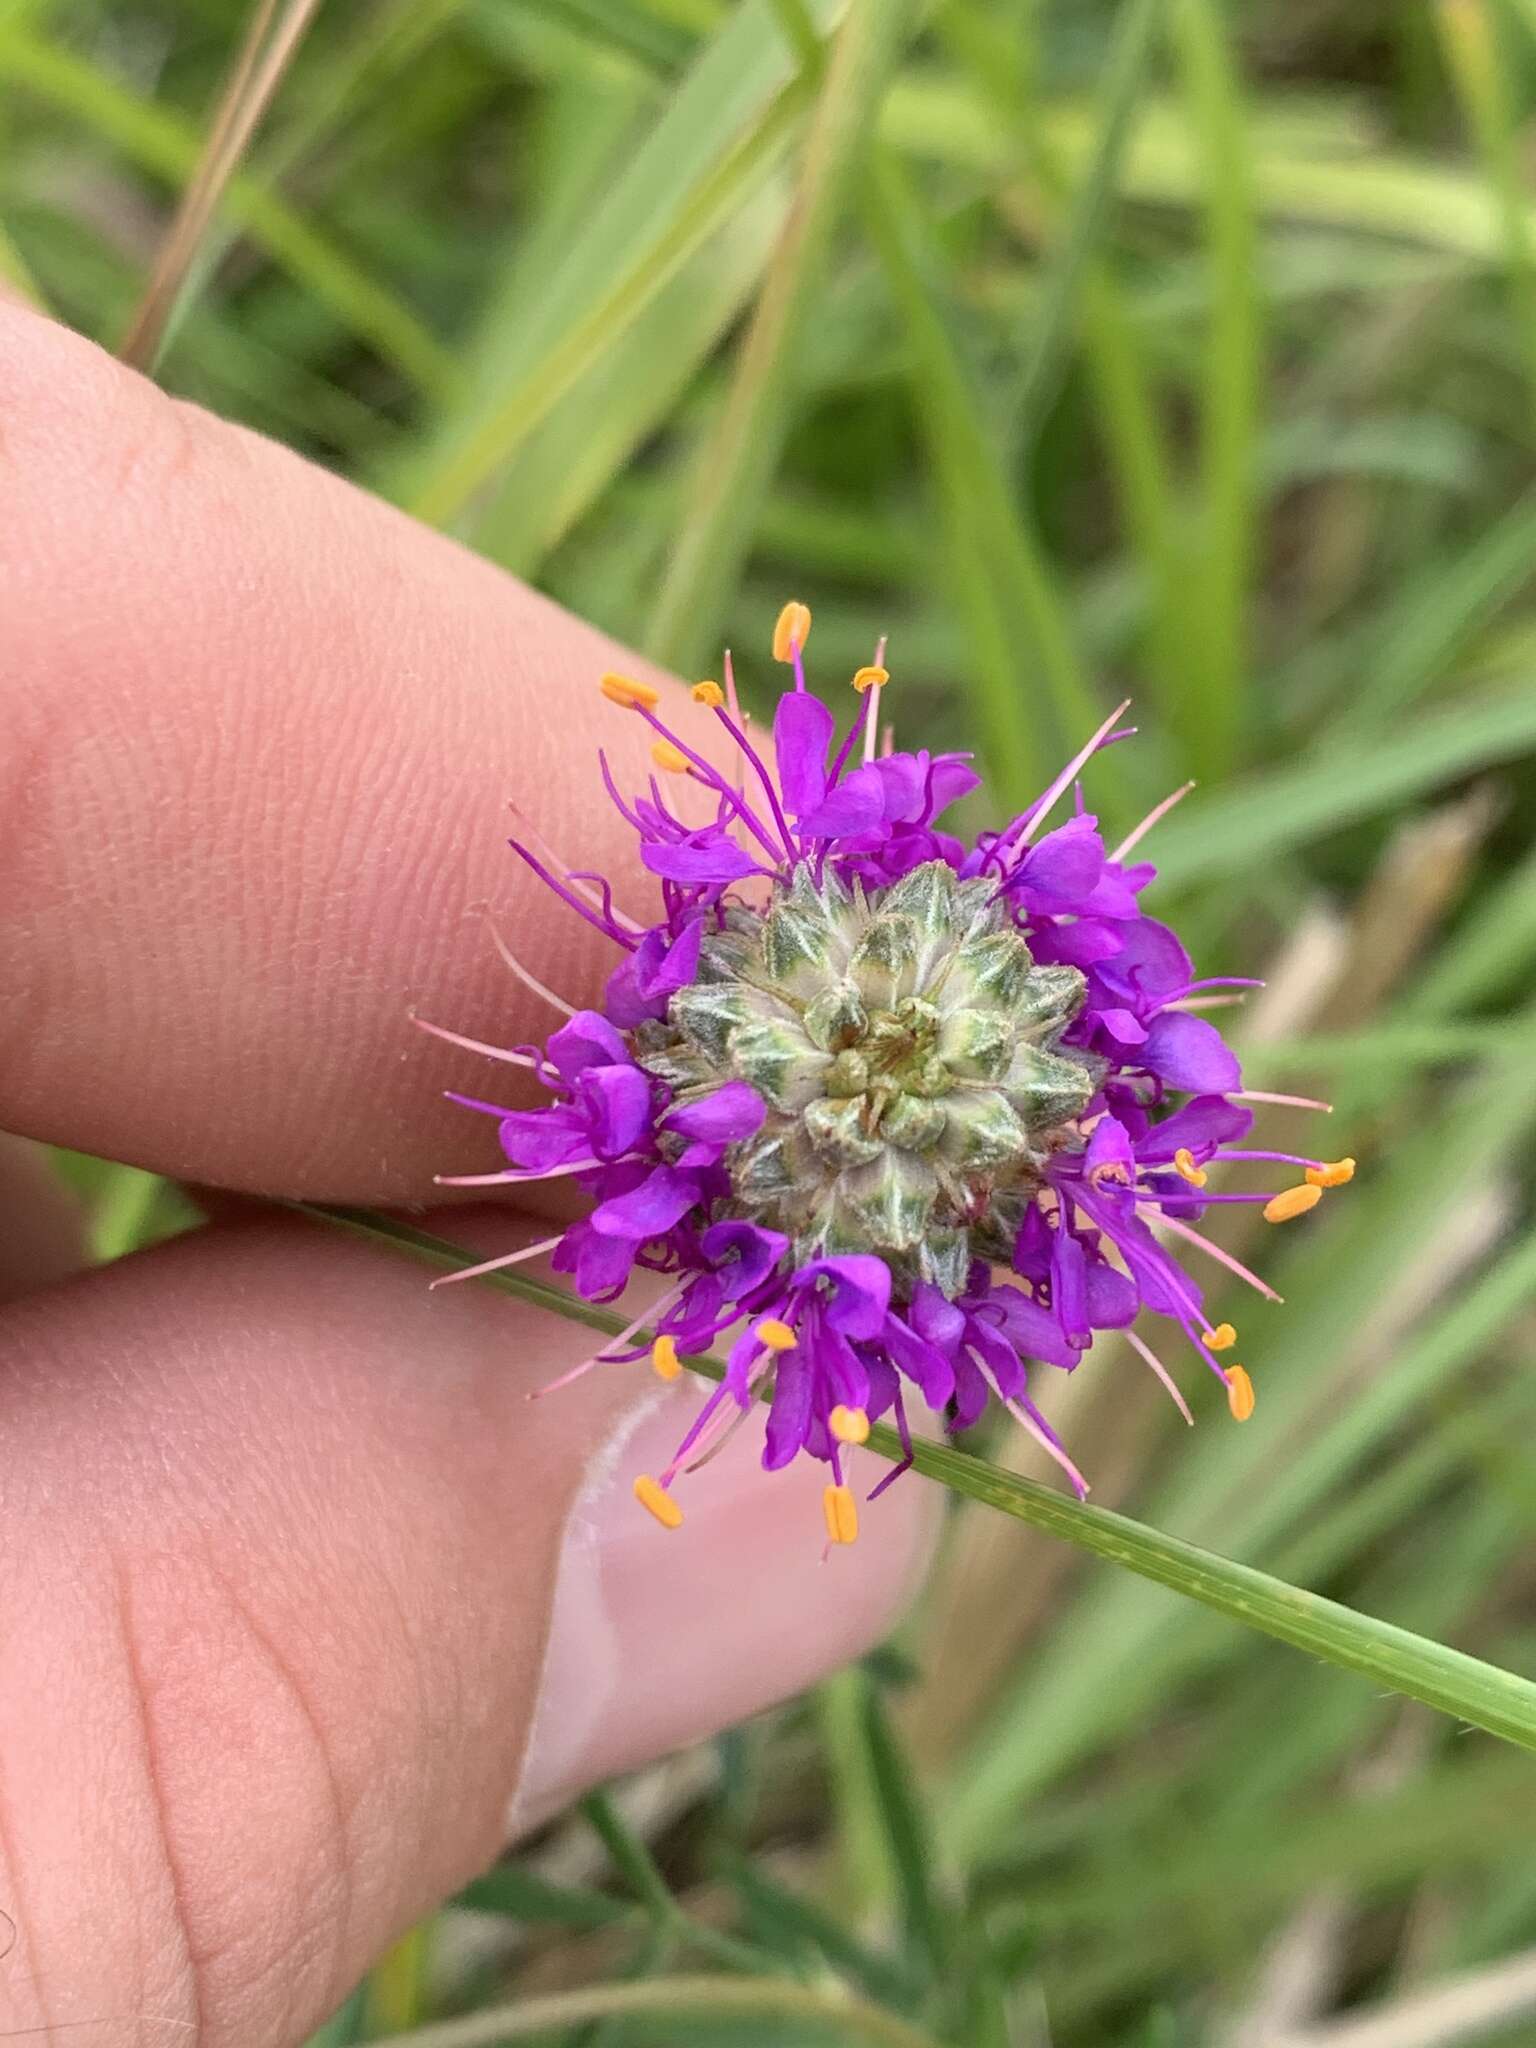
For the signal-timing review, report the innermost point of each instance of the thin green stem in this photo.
(683, 1998)
(1499, 1701)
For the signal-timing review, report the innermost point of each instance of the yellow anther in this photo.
(776, 1335)
(1222, 1338)
(1184, 1166)
(655, 1500)
(849, 1425)
(625, 690)
(842, 1515)
(671, 758)
(1239, 1393)
(664, 1359)
(1292, 1202)
(792, 630)
(1331, 1174)
(708, 692)
(871, 678)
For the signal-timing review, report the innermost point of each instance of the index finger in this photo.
(258, 732)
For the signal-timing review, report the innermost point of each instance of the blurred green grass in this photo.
(1180, 350)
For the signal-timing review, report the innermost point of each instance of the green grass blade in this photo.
(1029, 693)
(1501, 1702)
(737, 462)
(166, 146)
(1272, 812)
(1223, 544)
(1125, 71)
(710, 149)
(1471, 41)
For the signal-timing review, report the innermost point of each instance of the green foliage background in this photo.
(1166, 347)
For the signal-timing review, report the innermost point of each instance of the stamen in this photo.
(1333, 1173)
(870, 678)
(529, 981)
(658, 1503)
(664, 1359)
(708, 693)
(841, 1511)
(626, 691)
(1292, 1202)
(492, 1052)
(1222, 1258)
(530, 1251)
(1154, 817)
(1068, 774)
(1185, 1167)
(1284, 1101)
(671, 758)
(1146, 1352)
(791, 631)
(849, 1425)
(776, 1335)
(1240, 1396)
(513, 1174)
(1222, 1338)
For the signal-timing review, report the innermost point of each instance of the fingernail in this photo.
(659, 1637)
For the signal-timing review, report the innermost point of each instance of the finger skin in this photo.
(282, 1542)
(42, 1226)
(258, 733)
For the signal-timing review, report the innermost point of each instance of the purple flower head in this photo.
(895, 1118)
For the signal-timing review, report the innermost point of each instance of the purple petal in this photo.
(857, 803)
(802, 732)
(733, 1112)
(744, 1253)
(1066, 864)
(935, 1318)
(923, 1363)
(1109, 1145)
(789, 1418)
(663, 1198)
(601, 1265)
(717, 860)
(904, 778)
(1033, 1331)
(950, 778)
(1123, 1026)
(861, 1291)
(537, 1139)
(587, 1041)
(1201, 1125)
(664, 964)
(1112, 1298)
(1189, 1054)
(617, 1102)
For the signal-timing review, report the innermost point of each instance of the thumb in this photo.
(306, 1598)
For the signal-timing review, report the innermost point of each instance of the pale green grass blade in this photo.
(166, 146)
(1323, 168)
(738, 459)
(1028, 690)
(1121, 1652)
(1125, 72)
(1277, 810)
(1222, 545)
(1501, 1702)
(715, 142)
(569, 465)
(1471, 40)
(1435, 620)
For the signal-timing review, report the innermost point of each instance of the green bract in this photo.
(906, 1045)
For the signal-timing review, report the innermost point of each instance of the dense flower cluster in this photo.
(895, 1114)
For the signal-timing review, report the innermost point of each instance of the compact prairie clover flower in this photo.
(899, 1116)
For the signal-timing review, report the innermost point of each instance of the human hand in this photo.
(283, 1647)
